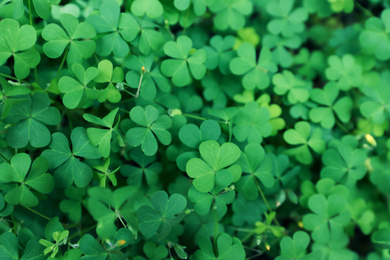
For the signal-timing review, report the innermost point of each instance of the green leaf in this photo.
(344, 71)
(152, 8)
(381, 238)
(192, 136)
(297, 89)
(230, 13)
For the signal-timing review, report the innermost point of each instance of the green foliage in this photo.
(194, 129)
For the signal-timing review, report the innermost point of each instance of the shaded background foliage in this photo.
(219, 129)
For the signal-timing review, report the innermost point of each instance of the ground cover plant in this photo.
(194, 129)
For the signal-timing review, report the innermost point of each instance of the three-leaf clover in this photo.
(255, 73)
(109, 74)
(77, 39)
(376, 105)
(102, 137)
(215, 159)
(327, 97)
(252, 123)
(303, 136)
(11, 96)
(256, 165)
(230, 13)
(152, 8)
(220, 53)
(72, 206)
(18, 41)
(9, 248)
(68, 166)
(295, 248)
(329, 218)
(164, 213)
(287, 22)
(23, 176)
(60, 238)
(74, 89)
(345, 71)
(227, 248)
(152, 125)
(286, 82)
(184, 60)
(29, 119)
(281, 53)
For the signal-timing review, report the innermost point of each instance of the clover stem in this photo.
(195, 117)
(121, 220)
(36, 212)
(124, 110)
(342, 127)
(363, 9)
(247, 236)
(29, 11)
(63, 61)
(216, 229)
(140, 81)
(10, 77)
(81, 232)
(2, 155)
(265, 200)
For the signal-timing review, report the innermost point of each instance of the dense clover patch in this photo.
(194, 129)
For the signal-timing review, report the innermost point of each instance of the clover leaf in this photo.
(226, 248)
(344, 164)
(77, 36)
(18, 41)
(303, 136)
(74, 89)
(288, 21)
(182, 63)
(68, 166)
(164, 214)
(192, 135)
(230, 13)
(376, 105)
(275, 111)
(286, 82)
(281, 54)
(327, 97)
(345, 71)
(256, 165)
(102, 137)
(109, 74)
(246, 211)
(252, 123)
(215, 158)
(29, 119)
(152, 8)
(330, 216)
(220, 53)
(342, 5)
(9, 248)
(104, 173)
(149, 37)
(25, 177)
(152, 125)
(72, 206)
(151, 76)
(295, 248)
(118, 29)
(256, 74)
(375, 38)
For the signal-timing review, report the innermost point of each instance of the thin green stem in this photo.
(195, 117)
(140, 81)
(30, 12)
(2, 155)
(36, 212)
(10, 77)
(216, 229)
(367, 12)
(63, 61)
(81, 233)
(342, 127)
(247, 236)
(124, 110)
(265, 200)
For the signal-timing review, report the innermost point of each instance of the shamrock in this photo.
(286, 82)
(336, 248)
(74, 89)
(102, 137)
(376, 105)
(375, 38)
(152, 8)
(28, 119)
(144, 66)
(295, 248)
(252, 123)
(18, 41)
(178, 68)
(119, 28)
(256, 75)
(60, 238)
(344, 163)
(280, 54)
(110, 75)
(76, 39)
(68, 167)
(151, 125)
(305, 138)
(192, 136)
(148, 38)
(288, 22)
(311, 64)
(230, 13)
(215, 159)
(220, 53)
(152, 251)
(11, 96)
(330, 216)
(146, 166)
(275, 111)
(9, 248)
(342, 5)
(23, 176)
(106, 206)
(247, 211)
(104, 173)
(345, 71)
(227, 248)
(256, 165)
(164, 214)
(327, 97)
